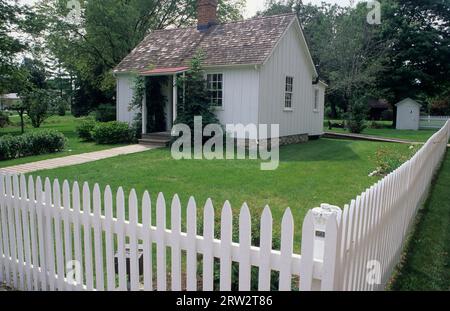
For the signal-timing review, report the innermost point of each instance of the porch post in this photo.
(175, 97)
(144, 115)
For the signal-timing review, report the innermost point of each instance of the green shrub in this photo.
(85, 127)
(112, 133)
(105, 113)
(9, 146)
(33, 143)
(356, 118)
(61, 108)
(4, 119)
(388, 160)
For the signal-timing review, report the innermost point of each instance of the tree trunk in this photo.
(22, 125)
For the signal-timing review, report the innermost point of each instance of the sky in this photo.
(254, 6)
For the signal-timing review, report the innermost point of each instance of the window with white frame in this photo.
(289, 91)
(316, 99)
(215, 89)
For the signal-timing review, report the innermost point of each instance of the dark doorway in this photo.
(156, 103)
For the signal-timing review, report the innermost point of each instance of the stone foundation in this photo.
(286, 140)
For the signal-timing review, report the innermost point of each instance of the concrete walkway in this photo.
(369, 138)
(74, 160)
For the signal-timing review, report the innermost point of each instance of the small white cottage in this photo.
(259, 71)
(408, 115)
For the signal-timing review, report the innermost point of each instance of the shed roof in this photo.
(408, 100)
(248, 42)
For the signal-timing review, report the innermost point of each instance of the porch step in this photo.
(156, 139)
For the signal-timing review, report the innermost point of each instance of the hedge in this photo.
(30, 144)
(85, 127)
(113, 133)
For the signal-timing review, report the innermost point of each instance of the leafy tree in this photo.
(20, 108)
(108, 30)
(417, 65)
(37, 105)
(196, 101)
(10, 46)
(357, 115)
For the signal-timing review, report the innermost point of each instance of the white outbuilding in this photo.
(408, 115)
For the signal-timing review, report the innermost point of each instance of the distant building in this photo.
(7, 100)
(408, 115)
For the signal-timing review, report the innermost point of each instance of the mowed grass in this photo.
(427, 265)
(386, 131)
(65, 125)
(322, 171)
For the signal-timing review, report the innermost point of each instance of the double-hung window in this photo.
(289, 92)
(215, 89)
(316, 100)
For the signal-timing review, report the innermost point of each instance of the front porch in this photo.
(160, 103)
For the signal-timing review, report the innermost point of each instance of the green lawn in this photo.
(385, 131)
(323, 171)
(65, 125)
(427, 265)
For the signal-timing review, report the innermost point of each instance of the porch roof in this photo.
(163, 71)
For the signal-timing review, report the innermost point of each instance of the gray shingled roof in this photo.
(237, 43)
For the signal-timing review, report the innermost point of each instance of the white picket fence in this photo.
(375, 226)
(433, 122)
(47, 229)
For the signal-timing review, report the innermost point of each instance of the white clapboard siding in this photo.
(51, 238)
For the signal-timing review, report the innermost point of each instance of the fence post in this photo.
(320, 243)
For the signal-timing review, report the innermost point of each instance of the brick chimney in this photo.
(206, 14)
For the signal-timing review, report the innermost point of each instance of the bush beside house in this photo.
(105, 133)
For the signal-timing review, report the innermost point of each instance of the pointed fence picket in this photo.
(52, 239)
